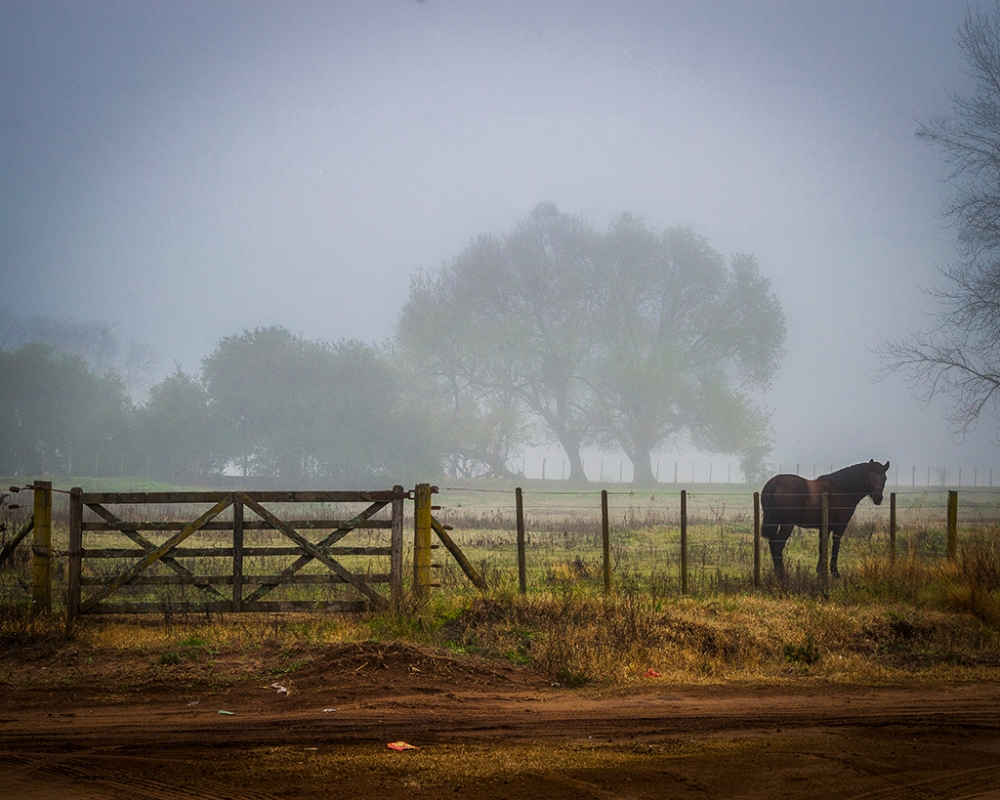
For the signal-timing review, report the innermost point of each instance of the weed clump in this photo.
(805, 654)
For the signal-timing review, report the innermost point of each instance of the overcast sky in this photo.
(190, 169)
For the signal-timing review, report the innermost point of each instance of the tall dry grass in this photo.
(915, 617)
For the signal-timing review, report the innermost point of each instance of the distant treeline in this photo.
(267, 404)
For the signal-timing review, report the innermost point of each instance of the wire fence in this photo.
(563, 533)
(614, 470)
(563, 536)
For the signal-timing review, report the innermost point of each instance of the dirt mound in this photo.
(403, 668)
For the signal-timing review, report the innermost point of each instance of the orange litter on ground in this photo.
(401, 746)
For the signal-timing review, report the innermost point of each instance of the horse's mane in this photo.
(849, 478)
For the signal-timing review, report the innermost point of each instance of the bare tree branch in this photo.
(959, 355)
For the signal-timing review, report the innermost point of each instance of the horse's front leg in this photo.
(836, 534)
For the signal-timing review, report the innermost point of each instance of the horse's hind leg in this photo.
(777, 544)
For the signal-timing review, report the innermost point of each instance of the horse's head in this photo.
(876, 480)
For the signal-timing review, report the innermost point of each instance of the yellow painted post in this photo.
(522, 567)
(41, 594)
(422, 529)
(952, 525)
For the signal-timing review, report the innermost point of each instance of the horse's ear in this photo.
(886, 467)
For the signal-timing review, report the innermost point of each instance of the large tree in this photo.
(959, 355)
(476, 426)
(682, 339)
(631, 339)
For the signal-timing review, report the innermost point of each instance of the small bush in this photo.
(806, 654)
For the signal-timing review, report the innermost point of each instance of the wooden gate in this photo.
(228, 559)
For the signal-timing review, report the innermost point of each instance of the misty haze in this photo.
(356, 243)
(548, 400)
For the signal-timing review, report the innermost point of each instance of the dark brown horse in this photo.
(788, 500)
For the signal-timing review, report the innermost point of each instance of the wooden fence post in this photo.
(824, 540)
(606, 541)
(952, 525)
(422, 529)
(237, 554)
(892, 528)
(75, 554)
(41, 594)
(522, 567)
(756, 539)
(396, 551)
(684, 542)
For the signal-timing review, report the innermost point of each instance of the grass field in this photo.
(917, 614)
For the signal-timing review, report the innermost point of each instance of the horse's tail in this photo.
(768, 525)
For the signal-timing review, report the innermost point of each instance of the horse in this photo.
(790, 500)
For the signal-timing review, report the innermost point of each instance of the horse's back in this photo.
(782, 491)
(786, 500)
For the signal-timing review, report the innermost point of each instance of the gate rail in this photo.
(170, 552)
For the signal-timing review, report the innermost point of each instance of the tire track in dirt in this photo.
(443, 720)
(971, 784)
(84, 774)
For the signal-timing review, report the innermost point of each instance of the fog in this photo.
(187, 170)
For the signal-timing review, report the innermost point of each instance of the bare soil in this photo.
(316, 723)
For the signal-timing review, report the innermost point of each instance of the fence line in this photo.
(620, 511)
(556, 528)
(678, 472)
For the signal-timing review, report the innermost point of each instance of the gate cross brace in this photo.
(333, 538)
(149, 546)
(13, 543)
(155, 555)
(312, 550)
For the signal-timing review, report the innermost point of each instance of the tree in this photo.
(58, 417)
(511, 332)
(959, 355)
(476, 422)
(370, 432)
(475, 428)
(256, 382)
(97, 343)
(681, 340)
(631, 339)
(292, 409)
(179, 430)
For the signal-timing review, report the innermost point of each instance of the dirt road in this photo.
(482, 731)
